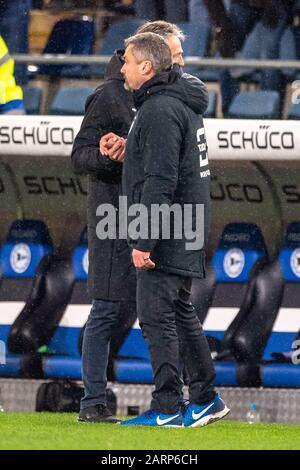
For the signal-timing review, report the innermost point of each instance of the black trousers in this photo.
(172, 330)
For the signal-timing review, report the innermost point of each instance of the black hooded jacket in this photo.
(109, 109)
(166, 163)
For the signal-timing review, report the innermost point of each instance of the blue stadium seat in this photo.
(294, 112)
(255, 105)
(207, 74)
(280, 373)
(36, 288)
(254, 48)
(240, 318)
(70, 101)
(27, 243)
(197, 38)
(71, 37)
(196, 43)
(134, 364)
(114, 39)
(212, 105)
(288, 51)
(64, 361)
(32, 99)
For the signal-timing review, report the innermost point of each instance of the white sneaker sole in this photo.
(210, 419)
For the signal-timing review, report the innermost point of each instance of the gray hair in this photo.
(163, 28)
(152, 47)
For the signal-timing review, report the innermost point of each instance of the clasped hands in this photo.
(113, 147)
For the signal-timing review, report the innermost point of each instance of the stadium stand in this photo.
(114, 39)
(288, 51)
(255, 105)
(70, 36)
(196, 43)
(70, 101)
(64, 361)
(46, 287)
(239, 301)
(294, 112)
(27, 243)
(197, 39)
(212, 105)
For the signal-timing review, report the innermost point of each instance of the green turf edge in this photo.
(61, 431)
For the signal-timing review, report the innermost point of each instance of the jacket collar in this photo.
(156, 85)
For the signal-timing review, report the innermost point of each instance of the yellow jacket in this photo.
(9, 91)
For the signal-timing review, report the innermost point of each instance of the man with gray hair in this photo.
(173, 35)
(112, 278)
(114, 146)
(166, 164)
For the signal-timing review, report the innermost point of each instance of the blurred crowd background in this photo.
(247, 29)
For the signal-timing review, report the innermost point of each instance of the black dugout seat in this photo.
(28, 299)
(64, 361)
(46, 297)
(282, 352)
(246, 296)
(27, 243)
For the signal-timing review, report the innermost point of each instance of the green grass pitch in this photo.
(61, 431)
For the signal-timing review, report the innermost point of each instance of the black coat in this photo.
(166, 163)
(109, 109)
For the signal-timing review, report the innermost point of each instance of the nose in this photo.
(123, 70)
(182, 63)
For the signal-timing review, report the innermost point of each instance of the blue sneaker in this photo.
(154, 418)
(202, 415)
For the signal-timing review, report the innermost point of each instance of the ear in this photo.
(147, 67)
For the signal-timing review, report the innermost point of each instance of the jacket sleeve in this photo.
(86, 157)
(205, 98)
(161, 137)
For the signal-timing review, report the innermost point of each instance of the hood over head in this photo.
(113, 72)
(113, 69)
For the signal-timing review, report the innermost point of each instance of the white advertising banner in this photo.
(227, 139)
(38, 135)
(253, 139)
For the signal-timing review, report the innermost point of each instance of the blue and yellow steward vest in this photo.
(11, 95)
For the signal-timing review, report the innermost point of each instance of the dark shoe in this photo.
(154, 418)
(97, 414)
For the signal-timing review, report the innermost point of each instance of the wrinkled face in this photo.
(136, 73)
(176, 50)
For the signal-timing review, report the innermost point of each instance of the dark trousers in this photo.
(107, 326)
(172, 330)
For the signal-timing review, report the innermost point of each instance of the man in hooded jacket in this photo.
(166, 166)
(112, 276)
